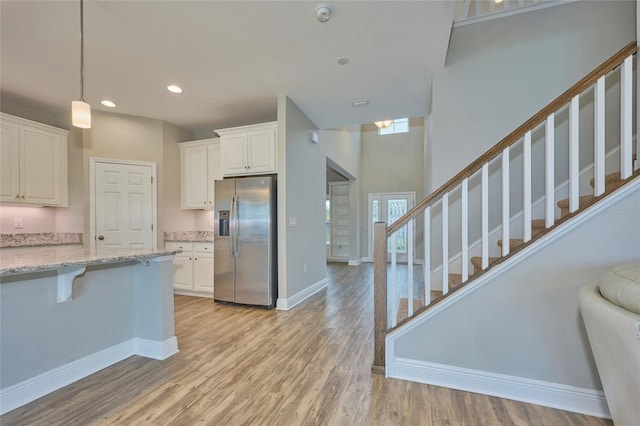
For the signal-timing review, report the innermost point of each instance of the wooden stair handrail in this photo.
(517, 134)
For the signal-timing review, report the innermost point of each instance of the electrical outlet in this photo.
(211, 223)
(17, 223)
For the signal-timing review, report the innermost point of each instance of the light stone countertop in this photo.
(34, 259)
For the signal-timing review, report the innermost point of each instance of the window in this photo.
(401, 125)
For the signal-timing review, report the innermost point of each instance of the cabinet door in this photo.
(213, 174)
(203, 272)
(261, 151)
(183, 272)
(9, 162)
(233, 149)
(43, 164)
(194, 176)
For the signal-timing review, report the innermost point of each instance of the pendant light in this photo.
(80, 110)
(384, 124)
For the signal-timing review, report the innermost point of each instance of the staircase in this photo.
(471, 201)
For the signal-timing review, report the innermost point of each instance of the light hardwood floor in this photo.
(250, 366)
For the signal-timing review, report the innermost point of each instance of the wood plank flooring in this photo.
(250, 366)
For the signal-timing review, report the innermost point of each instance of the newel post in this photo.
(379, 296)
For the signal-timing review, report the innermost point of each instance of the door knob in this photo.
(101, 237)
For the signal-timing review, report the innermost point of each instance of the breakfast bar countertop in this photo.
(34, 259)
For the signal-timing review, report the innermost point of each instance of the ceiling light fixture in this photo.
(497, 1)
(323, 13)
(384, 124)
(80, 110)
(108, 103)
(173, 88)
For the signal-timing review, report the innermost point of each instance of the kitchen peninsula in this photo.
(67, 312)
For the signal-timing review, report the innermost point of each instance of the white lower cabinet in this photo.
(193, 268)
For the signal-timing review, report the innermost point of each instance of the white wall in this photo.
(115, 136)
(304, 191)
(497, 75)
(390, 163)
(526, 322)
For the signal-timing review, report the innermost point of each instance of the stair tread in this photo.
(538, 223)
(513, 243)
(608, 179)
(564, 204)
(476, 261)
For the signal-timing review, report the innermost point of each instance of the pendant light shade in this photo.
(384, 124)
(81, 114)
(80, 110)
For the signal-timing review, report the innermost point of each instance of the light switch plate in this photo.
(293, 222)
(17, 223)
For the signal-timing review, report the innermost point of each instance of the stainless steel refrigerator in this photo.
(245, 242)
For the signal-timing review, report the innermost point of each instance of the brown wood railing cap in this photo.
(517, 134)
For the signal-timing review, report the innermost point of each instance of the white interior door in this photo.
(389, 207)
(124, 205)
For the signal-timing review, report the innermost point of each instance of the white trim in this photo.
(301, 296)
(507, 264)
(193, 293)
(355, 262)
(92, 196)
(36, 387)
(154, 349)
(338, 259)
(563, 397)
(510, 12)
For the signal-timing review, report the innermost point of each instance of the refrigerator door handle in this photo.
(235, 218)
(233, 226)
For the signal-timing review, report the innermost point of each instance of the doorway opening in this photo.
(389, 207)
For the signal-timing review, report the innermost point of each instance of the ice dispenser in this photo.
(223, 223)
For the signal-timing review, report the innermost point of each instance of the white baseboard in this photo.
(36, 387)
(355, 262)
(156, 350)
(554, 395)
(296, 299)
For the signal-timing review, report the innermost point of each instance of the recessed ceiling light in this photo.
(343, 61)
(173, 88)
(360, 103)
(108, 103)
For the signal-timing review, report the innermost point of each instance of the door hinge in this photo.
(152, 226)
(151, 180)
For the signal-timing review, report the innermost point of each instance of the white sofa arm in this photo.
(614, 335)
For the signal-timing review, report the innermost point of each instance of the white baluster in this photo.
(477, 4)
(464, 206)
(492, 6)
(574, 154)
(445, 243)
(505, 202)
(465, 9)
(626, 108)
(549, 151)
(394, 278)
(526, 186)
(427, 256)
(485, 215)
(598, 167)
(410, 298)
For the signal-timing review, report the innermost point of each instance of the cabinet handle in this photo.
(18, 197)
(189, 258)
(23, 197)
(196, 258)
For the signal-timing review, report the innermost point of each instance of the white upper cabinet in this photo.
(33, 163)
(248, 150)
(199, 165)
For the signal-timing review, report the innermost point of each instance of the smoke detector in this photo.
(323, 13)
